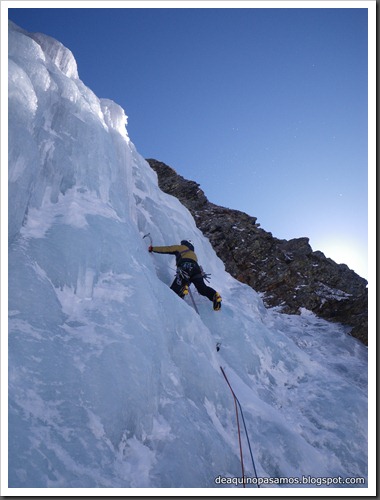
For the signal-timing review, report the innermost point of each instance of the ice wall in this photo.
(113, 380)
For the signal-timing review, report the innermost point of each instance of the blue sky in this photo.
(266, 108)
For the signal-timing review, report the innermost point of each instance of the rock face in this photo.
(288, 273)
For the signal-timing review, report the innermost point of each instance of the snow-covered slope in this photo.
(114, 381)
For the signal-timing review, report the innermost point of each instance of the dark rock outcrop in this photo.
(288, 273)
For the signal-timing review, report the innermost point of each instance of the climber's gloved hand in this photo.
(150, 249)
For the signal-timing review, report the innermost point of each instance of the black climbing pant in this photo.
(190, 272)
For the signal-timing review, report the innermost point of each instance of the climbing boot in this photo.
(217, 301)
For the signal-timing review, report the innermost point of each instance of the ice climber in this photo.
(188, 271)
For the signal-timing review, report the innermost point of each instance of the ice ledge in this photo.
(60, 55)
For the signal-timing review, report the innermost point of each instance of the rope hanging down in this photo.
(238, 426)
(193, 301)
(237, 402)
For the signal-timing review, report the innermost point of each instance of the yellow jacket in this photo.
(181, 252)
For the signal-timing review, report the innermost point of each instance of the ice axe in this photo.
(150, 238)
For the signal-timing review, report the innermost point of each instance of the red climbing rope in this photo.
(238, 426)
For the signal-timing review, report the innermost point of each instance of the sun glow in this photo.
(351, 253)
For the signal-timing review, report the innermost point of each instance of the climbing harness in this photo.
(204, 275)
(237, 402)
(182, 275)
